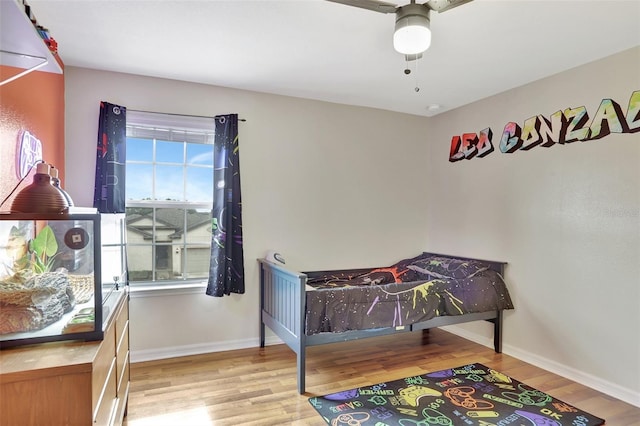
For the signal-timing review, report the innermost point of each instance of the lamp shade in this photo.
(41, 196)
(55, 181)
(412, 35)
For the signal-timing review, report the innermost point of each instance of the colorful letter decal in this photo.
(570, 125)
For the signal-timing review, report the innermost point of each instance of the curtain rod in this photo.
(185, 115)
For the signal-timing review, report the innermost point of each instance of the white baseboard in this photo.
(597, 383)
(143, 355)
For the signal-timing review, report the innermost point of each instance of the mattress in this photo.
(408, 292)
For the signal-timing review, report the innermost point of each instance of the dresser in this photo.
(69, 383)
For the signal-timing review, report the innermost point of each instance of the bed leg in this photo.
(262, 303)
(301, 372)
(262, 332)
(497, 333)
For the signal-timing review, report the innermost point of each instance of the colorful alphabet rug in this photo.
(468, 395)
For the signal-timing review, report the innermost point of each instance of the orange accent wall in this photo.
(34, 102)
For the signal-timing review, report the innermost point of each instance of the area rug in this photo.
(469, 395)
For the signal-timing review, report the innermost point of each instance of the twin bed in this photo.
(426, 291)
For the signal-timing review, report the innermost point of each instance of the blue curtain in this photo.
(109, 196)
(226, 270)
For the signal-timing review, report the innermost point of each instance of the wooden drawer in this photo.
(122, 320)
(107, 400)
(123, 397)
(122, 362)
(124, 382)
(102, 365)
(122, 358)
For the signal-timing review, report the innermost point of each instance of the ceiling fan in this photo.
(412, 34)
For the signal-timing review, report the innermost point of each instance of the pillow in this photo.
(444, 267)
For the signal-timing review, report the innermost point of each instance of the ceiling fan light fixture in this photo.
(412, 34)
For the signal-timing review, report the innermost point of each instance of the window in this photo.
(169, 187)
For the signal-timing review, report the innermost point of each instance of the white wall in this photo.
(327, 185)
(332, 186)
(566, 218)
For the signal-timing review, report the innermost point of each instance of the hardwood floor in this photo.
(257, 386)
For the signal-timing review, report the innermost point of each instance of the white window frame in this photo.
(178, 128)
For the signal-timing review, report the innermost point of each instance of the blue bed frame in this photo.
(283, 310)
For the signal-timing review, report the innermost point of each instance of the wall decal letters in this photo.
(570, 125)
(511, 138)
(633, 113)
(577, 118)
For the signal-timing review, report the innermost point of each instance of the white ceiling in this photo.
(321, 50)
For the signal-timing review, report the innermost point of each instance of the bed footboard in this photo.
(282, 309)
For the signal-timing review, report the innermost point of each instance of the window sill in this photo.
(169, 289)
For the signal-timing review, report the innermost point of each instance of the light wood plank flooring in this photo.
(257, 386)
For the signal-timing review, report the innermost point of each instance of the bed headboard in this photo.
(494, 265)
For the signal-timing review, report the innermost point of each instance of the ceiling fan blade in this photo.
(444, 5)
(376, 6)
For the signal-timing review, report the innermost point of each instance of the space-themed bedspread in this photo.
(408, 292)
